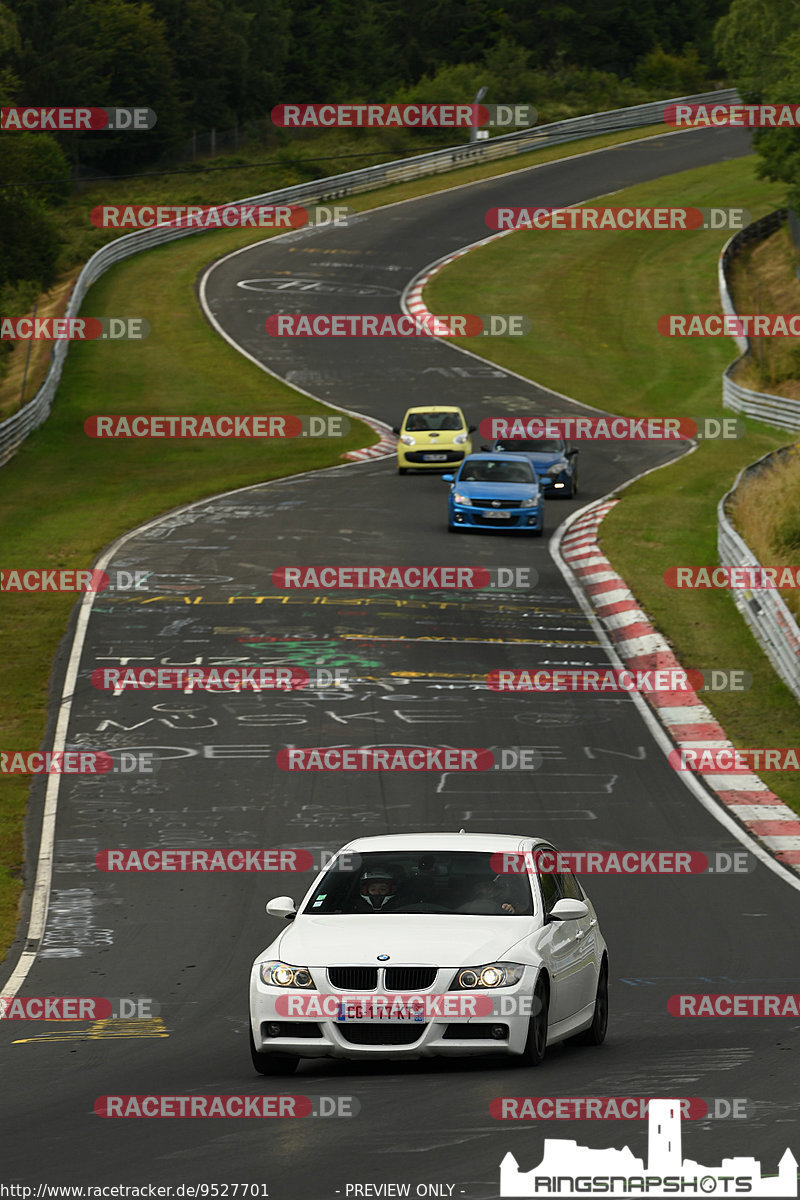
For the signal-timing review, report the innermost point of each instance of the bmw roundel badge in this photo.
(383, 958)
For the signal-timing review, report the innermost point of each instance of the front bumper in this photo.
(530, 519)
(454, 1036)
(430, 458)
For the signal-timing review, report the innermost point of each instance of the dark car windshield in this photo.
(531, 446)
(496, 470)
(455, 882)
(423, 422)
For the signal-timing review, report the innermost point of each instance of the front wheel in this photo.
(271, 1064)
(596, 1033)
(536, 1042)
(402, 470)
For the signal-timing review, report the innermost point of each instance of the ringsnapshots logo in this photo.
(617, 218)
(73, 329)
(224, 216)
(570, 1170)
(612, 429)
(146, 425)
(363, 325)
(76, 120)
(403, 116)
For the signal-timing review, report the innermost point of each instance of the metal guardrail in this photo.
(763, 406)
(764, 610)
(16, 428)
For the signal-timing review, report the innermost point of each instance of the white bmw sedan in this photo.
(411, 945)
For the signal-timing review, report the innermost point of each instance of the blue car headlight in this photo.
(532, 503)
(558, 468)
(459, 498)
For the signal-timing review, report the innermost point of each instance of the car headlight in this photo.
(460, 439)
(558, 467)
(460, 499)
(407, 440)
(493, 975)
(530, 503)
(281, 974)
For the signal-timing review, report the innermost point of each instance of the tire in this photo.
(536, 1042)
(574, 490)
(455, 528)
(596, 1033)
(271, 1064)
(402, 470)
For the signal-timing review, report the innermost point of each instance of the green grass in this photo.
(594, 299)
(64, 496)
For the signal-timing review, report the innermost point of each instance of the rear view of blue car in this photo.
(496, 491)
(552, 460)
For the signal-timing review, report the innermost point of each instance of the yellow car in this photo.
(432, 436)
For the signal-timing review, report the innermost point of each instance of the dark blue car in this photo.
(553, 461)
(496, 491)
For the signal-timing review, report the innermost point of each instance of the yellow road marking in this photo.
(109, 1028)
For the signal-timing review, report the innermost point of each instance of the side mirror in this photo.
(569, 910)
(486, 449)
(395, 429)
(283, 906)
(447, 478)
(472, 428)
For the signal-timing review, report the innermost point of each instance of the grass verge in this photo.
(595, 339)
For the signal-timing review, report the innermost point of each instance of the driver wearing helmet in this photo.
(378, 890)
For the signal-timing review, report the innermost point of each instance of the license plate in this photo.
(496, 516)
(434, 458)
(358, 1010)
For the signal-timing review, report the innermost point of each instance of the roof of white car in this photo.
(486, 842)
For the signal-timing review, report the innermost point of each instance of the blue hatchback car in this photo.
(496, 491)
(554, 463)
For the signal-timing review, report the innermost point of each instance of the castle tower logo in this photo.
(568, 1169)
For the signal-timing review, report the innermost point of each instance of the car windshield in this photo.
(496, 470)
(456, 882)
(424, 422)
(531, 446)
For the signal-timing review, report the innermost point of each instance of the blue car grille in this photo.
(479, 503)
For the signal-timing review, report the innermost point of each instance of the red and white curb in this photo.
(689, 723)
(386, 445)
(414, 304)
